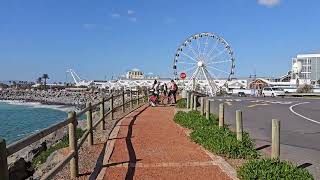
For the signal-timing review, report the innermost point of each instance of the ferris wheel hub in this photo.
(200, 63)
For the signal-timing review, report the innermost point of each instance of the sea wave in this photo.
(64, 108)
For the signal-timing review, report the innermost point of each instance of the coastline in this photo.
(36, 104)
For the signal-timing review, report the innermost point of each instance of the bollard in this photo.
(74, 168)
(111, 107)
(207, 109)
(239, 125)
(131, 102)
(221, 115)
(275, 138)
(103, 122)
(123, 102)
(191, 101)
(195, 103)
(4, 173)
(188, 100)
(89, 124)
(202, 106)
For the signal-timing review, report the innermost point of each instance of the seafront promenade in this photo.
(148, 144)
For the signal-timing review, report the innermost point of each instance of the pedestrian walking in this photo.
(173, 88)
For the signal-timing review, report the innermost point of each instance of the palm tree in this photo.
(45, 77)
(39, 81)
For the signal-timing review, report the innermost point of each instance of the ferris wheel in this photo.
(207, 61)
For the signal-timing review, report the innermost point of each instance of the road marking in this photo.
(254, 105)
(308, 119)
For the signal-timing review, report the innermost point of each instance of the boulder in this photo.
(20, 170)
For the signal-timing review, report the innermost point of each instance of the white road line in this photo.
(291, 109)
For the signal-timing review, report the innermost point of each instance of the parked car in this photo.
(241, 94)
(272, 92)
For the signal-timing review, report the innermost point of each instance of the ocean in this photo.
(20, 119)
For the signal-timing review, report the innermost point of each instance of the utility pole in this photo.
(254, 76)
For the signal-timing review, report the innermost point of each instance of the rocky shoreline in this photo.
(77, 99)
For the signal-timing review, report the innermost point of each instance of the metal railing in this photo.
(74, 143)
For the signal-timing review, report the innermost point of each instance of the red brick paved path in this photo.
(151, 146)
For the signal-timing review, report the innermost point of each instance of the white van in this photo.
(272, 92)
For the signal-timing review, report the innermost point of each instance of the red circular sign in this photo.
(183, 75)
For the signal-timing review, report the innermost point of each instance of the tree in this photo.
(39, 80)
(305, 89)
(45, 77)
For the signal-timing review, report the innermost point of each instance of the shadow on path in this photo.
(132, 153)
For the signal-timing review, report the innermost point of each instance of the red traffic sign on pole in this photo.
(183, 75)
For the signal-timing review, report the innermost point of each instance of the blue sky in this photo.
(99, 38)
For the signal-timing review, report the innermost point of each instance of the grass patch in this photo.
(272, 169)
(221, 141)
(64, 142)
(182, 103)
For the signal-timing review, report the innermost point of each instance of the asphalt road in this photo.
(300, 126)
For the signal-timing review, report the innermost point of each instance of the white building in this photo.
(306, 68)
(135, 74)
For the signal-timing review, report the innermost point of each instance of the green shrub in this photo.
(270, 169)
(220, 141)
(64, 142)
(182, 103)
(224, 142)
(194, 119)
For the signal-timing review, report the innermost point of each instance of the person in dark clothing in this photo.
(173, 88)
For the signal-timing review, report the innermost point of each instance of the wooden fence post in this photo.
(239, 125)
(143, 96)
(138, 98)
(191, 101)
(123, 102)
(221, 115)
(89, 124)
(4, 173)
(202, 105)
(103, 122)
(74, 168)
(275, 138)
(195, 102)
(111, 107)
(207, 109)
(131, 103)
(188, 100)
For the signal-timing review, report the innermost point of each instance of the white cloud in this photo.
(133, 19)
(115, 15)
(269, 3)
(130, 12)
(89, 26)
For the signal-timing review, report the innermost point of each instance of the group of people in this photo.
(161, 91)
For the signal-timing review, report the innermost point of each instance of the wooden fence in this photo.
(74, 143)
